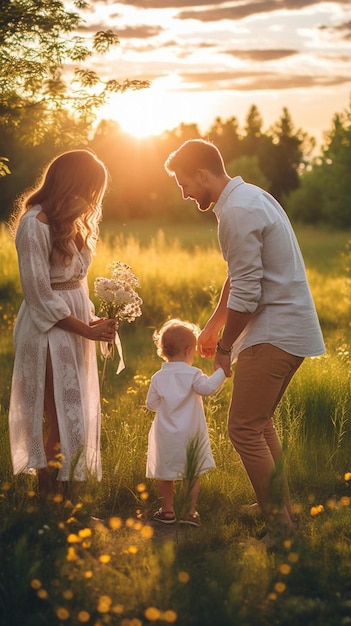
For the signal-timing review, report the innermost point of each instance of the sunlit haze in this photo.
(215, 59)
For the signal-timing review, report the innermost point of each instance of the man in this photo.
(265, 312)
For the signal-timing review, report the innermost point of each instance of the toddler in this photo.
(178, 442)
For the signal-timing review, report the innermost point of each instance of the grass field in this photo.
(56, 569)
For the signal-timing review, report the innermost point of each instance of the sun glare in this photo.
(139, 113)
(150, 111)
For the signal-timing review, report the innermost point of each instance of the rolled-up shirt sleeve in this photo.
(46, 307)
(241, 241)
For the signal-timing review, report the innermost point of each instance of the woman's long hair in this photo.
(70, 193)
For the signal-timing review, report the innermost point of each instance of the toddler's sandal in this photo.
(193, 520)
(166, 517)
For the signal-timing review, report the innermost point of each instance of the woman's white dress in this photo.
(175, 393)
(74, 363)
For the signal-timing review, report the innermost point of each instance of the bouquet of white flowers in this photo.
(118, 300)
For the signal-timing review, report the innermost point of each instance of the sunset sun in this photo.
(139, 113)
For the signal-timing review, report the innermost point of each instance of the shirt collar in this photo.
(230, 186)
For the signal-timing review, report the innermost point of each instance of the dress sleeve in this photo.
(153, 399)
(207, 385)
(46, 306)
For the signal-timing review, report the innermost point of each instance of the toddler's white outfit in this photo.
(175, 393)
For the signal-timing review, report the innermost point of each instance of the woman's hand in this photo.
(97, 330)
(103, 330)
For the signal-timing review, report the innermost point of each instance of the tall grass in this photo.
(57, 569)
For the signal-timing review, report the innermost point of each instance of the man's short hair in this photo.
(195, 154)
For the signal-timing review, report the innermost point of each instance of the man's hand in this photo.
(223, 361)
(206, 343)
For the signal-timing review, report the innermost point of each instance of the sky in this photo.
(208, 59)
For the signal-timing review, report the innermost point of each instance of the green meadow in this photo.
(58, 568)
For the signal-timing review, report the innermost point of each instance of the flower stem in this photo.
(103, 375)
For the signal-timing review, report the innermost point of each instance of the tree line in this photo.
(313, 190)
(42, 112)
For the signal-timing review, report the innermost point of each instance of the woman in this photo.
(55, 369)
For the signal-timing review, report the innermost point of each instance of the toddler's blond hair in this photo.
(175, 336)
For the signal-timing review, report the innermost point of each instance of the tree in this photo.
(225, 135)
(43, 74)
(305, 204)
(281, 154)
(325, 192)
(248, 167)
(253, 131)
(336, 166)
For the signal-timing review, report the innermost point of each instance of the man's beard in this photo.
(204, 203)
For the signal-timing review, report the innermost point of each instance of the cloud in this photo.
(343, 28)
(240, 10)
(139, 32)
(255, 81)
(261, 55)
(126, 32)
(161, 4)
(236, 6)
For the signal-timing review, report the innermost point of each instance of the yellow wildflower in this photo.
(62, 613)
(141, 487)
(115, 523)
(104, 604)
(316, 510)
(272, 596)
(169, 616)
(293, 557)
(183, 577)
(147, 531)
(71, 554)
(152, 614)
(57, 498)
(104, 558)
(35, 583)
(83, 617)
(280, 587)
(55, 464)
